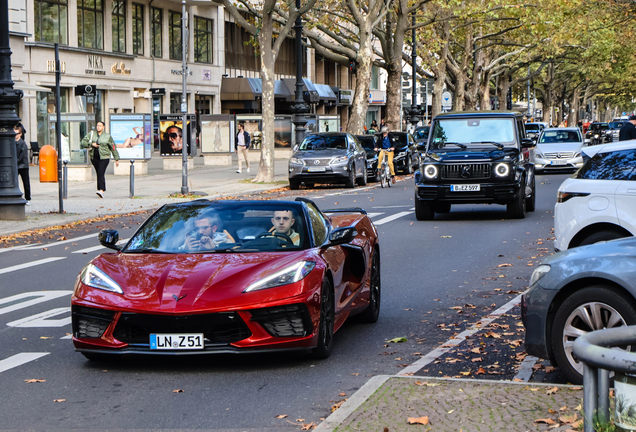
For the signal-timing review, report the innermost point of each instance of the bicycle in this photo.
(383, 174)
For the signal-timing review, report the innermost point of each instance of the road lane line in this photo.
(452, 343)
(40, 246)
(96, 248)
(372, 215)
(392, 217)
(19, 359)
(30, 264)
(40, 320)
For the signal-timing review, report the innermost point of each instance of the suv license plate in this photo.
(316, 169)
(172, 341)
(465, 188)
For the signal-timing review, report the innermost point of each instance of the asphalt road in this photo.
(427, 269)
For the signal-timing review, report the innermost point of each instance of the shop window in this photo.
(90, 24)
(203, 104)
(119, 25)
(138, 28)
(45, 105)
(374, 78)
(156, 45)
(175, 103)
(175, 35)
(51, 21)
(203, 40)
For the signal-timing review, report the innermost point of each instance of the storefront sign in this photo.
(50, 66)
(95, 65)
(120, 69)
(207, 75)
(346, 97)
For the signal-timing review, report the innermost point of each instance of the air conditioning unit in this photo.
(135, 94)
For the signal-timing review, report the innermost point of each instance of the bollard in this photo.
(65, 180)
(132, 178)
(48, 164)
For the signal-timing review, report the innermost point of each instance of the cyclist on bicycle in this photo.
(388, 149)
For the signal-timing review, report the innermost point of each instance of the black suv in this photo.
(476, 157)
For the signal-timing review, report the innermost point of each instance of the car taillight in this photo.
(564, 196)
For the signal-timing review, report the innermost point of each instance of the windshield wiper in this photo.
(153, 251)
(499, 145)
(456, 143)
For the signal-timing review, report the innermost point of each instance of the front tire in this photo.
(372, 312)
(531, 202)
(592, 308)
(363, 181)
(327, 317)
(408, 169)
(517, 207)
(600, 236)
(351, 181)
(294, 184)
(424, 210)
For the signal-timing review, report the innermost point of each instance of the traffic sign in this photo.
(447, 100)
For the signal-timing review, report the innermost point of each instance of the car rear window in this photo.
(421, 133)
(553, 137)
(617, 165)
(367, 142)
(324, 142)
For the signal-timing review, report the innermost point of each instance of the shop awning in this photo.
(24, 86)
(235, 89)
(325, 93)
(308, 86)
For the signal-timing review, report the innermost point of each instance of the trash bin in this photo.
(48, 164)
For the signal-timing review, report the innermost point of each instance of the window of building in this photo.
(51, 21)
(175, 35)
(203, 40)
(138, 28)
(374, 78)
(119, 25)
(156, 46)
(90, 24)
(45, 105)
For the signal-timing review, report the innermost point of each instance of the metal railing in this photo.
(598, 360)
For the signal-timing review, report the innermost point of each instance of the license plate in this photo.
(465, 188)
(316, 169)
(171, 341)
(558, 162)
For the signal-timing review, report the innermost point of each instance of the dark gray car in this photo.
(329, 157)
(577, 291)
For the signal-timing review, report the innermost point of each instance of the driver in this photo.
(207, 234)
(283, 221)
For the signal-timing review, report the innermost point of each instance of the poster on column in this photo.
(217, 132)
(172, 136)
(131, 134)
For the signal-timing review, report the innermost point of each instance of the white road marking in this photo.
(451, 343)
(525, 369)
(40, 246)
(96, 248)
(41, 319)
(387, 207)
(392, 217)
(372, 215)
(30, 264)
(29, 300)
(67, 337)
(19, 359)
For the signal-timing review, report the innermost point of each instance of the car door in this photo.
(625, 197)
(355, 155)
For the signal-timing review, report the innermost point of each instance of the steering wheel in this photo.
(275, 234)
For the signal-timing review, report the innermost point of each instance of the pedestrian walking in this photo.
(628, 131)
(23, 160)
(388, 149)
(242, 146)
(101, 146)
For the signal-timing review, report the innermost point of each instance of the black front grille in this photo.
(90, 322)
(218, 328)
(284, 321)
(466, 171)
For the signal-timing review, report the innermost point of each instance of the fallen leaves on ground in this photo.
(34, 380)
(59, 400)
(308, 426)
(552, 390)
(337, 405)
(397, 340)
(281, 416)
(545, 421)
(424, 383)
(177, 391)
(567, 419)
(418, 420)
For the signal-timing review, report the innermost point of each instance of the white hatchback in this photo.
(598, 203)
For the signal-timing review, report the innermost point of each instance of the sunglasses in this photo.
(174, 135)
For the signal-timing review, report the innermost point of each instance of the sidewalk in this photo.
(386, 403)
(151, 191)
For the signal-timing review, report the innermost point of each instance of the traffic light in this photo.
(353, 67)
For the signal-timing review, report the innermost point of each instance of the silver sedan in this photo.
(559, 148)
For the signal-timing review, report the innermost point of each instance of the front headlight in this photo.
(339, 159)
(596, 136)
(93, 276)
(297, 161)
(286, 276)
(430, 171)
(577, 154)
(538, 273)
(502, 170)
(538, 154)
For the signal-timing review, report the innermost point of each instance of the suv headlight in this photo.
(339, 159)
(502, 170)
(286, 276)
(430, 171)
(297, 161)
(538, 273)
(95, 277)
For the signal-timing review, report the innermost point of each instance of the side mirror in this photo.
(342, 235)
(527, 143)
(109, 238)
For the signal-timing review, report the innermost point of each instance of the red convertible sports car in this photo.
(229, 277)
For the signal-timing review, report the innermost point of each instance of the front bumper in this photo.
(535, 312)
(489, 193)
(315, 174)
(557, 164)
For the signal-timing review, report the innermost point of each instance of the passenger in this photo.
(283, 222)
(207, 234)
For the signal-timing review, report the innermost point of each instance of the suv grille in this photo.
(317, 162)
(218, 328)
(466, 171)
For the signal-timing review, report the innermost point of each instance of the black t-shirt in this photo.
(627, 132)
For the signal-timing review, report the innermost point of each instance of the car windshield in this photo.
(616, 125)
(324, 142)
(368, 142)
(421, 133)
(560, 136)
(473, 130)
(599, 126)
(534, 128)
(222, 227)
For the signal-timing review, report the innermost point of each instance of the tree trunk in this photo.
(440, 71)
(363, 78)
(573, 118)
(393, 98)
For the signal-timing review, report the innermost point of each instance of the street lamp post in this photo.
(299, 108)
(185, 137)
(11, 201)
(414, 112)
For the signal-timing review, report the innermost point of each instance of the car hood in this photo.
(471, 154)
(371, 154)
(320, 154)
(559, 147)
(199, 281)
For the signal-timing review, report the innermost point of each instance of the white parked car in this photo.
(599, 202)
(558, 148)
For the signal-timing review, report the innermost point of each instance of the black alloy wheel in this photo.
(351, 181)
(531, 201)
(592, 308)
(408, 169)
(423, 210)
(517, 207)
(327, 318)
(372, 312)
